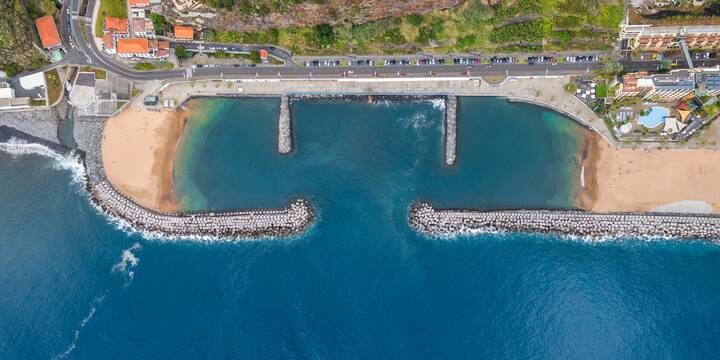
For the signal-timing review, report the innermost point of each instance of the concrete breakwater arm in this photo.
(288, 221)
(285, 126)
(450, 129)
(425, 219)
(256, 223)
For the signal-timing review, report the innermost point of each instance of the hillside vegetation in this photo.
(17, 34)
(472, 25)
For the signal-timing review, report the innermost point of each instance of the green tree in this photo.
(255, 57)
(613, 68)
(324, 36)
(159, 23)
(181, 52)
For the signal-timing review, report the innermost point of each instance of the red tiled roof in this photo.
(139, 3)
(132, 46)
(108, 41)
(183, 32)
(116, 25)
(48, 32)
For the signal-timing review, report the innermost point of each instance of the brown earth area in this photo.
(334, 11)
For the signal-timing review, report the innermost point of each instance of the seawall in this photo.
(285, 144)
(255, 223)
(450, 129)
(453, 222)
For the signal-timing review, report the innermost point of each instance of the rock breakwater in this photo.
(255, 223)
(450, 130)
(249, 223)
(452, 222)
(284, 127)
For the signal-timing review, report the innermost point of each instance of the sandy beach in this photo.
(138, 150)
(640, 180)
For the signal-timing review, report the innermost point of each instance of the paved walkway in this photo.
(547, 91)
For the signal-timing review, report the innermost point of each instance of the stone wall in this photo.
(425, 219)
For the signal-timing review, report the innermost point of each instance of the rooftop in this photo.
(132, 46)
(48, 32)
(116, 25)
(183, 32)
(139, 3)
(677, 80)
(138, 24)
(108, 41)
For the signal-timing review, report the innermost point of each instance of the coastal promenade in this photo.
(447, 222)
(546, 91)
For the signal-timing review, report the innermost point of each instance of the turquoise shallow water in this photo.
(360, 284)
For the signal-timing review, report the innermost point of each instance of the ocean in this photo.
(360, 284)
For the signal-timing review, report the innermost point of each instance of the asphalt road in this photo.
(84, 53)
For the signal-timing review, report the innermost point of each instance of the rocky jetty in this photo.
(255, 223)
(450, 129)
(250, 223)
(425, 219)
(284, 126)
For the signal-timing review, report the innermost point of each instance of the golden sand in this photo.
(138, 150)
(641, 180)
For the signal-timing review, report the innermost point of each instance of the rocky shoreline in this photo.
(255, 223)
(455, 222)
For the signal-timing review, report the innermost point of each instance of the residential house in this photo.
(49, 36)
(139, 4)
(143, 48)
(137, 13)
(143, 28)
(118, 27)
(108, 43)
(660, 38)
(183, 32)
(628, 86)
(133, 47)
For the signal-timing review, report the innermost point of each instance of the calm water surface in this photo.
(360, 284)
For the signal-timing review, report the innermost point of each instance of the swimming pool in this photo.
(655, 117)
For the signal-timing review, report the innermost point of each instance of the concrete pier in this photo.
(425, 219)
(450, 129)
(284, 126)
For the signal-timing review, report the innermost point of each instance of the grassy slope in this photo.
(114, 8)
(551, 24)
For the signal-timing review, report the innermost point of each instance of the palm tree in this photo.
(613, 68)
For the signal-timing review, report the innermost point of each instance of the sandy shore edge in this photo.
(138, 151)
(640, 180)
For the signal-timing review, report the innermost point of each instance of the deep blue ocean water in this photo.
(360, 284)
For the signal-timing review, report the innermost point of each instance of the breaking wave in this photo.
(437, 103)
(18, 147)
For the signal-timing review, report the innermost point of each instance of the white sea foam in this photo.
(18, 147)
(76, 334)
(128, 262)
(620, 237)
(438, 103)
